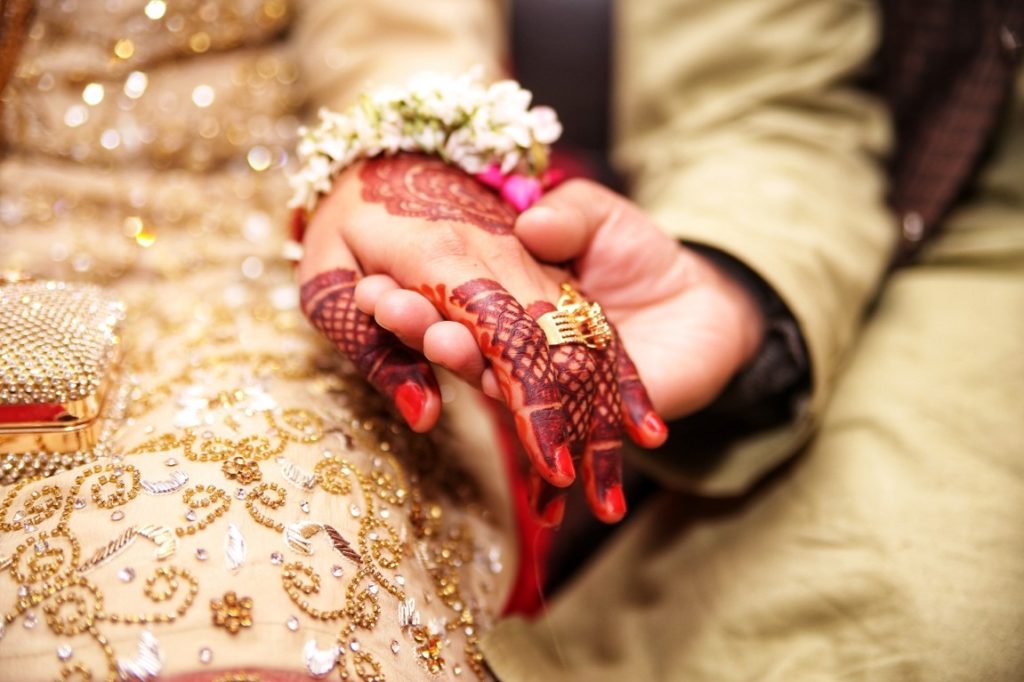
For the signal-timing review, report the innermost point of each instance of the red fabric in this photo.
(297, 225)
(526, 597)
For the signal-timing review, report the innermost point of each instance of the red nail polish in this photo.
(654, 425)
(553, 514)
(410, 399)
(564, 469)
(614, 505)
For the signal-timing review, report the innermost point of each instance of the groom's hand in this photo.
(688, 326)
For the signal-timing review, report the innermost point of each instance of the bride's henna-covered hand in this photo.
(328, 300)
(436, 231)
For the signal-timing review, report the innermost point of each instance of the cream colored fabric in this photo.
(740, 128)
(383, 41)
(170, 189)
(891, 548)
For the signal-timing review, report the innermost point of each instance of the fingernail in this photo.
(553, 513)
(564, 469)
(614, 505)
(654, 425)
(410, 399)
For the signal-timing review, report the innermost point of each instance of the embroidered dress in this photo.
(261, 509)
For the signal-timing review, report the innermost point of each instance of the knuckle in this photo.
(440, 242)
(504, 251)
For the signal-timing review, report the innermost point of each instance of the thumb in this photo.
(561, 225)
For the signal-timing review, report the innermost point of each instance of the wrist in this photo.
(743, 305)
(772, 378)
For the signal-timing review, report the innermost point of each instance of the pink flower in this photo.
(521, 191)
(492, 177)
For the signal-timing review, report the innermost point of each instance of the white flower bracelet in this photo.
(490, 132)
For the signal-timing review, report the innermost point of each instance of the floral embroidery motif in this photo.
(245, 471)
(232, 612)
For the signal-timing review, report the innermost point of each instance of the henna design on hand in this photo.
(425, 187)
(602, 463)
(328, 300)
(517, 350)
(643, 424)
(599, 416)
(574, 373)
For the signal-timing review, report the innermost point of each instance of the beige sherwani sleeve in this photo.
(740, 127)
(346, 46)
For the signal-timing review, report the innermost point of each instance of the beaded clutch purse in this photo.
(60, 347)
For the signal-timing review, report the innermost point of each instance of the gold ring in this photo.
(560, 328)
(576, 321)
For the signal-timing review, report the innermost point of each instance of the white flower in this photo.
(518, 133)
(511, 160)
(469, 125)
(545, 125)
(508, 101)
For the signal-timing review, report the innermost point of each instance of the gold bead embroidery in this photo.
(232, 612)
(309, 427)
(36, 510)
(428, 649)
(366, 667)
(293, 577)
(164, 585)
(382, 494)
(201, 497)
(259, 494)
(245, 471)
(121, 493)
(333, 474)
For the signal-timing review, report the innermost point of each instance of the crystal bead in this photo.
(190, 516)
(304, 506)
(171, 462)
(337, 571)
(276, 558)
(395, 647)
(205, 655)
(126, 574)
(79, 503)
(202, 554)
(64, 652)
(116, 515)
(293, 624)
